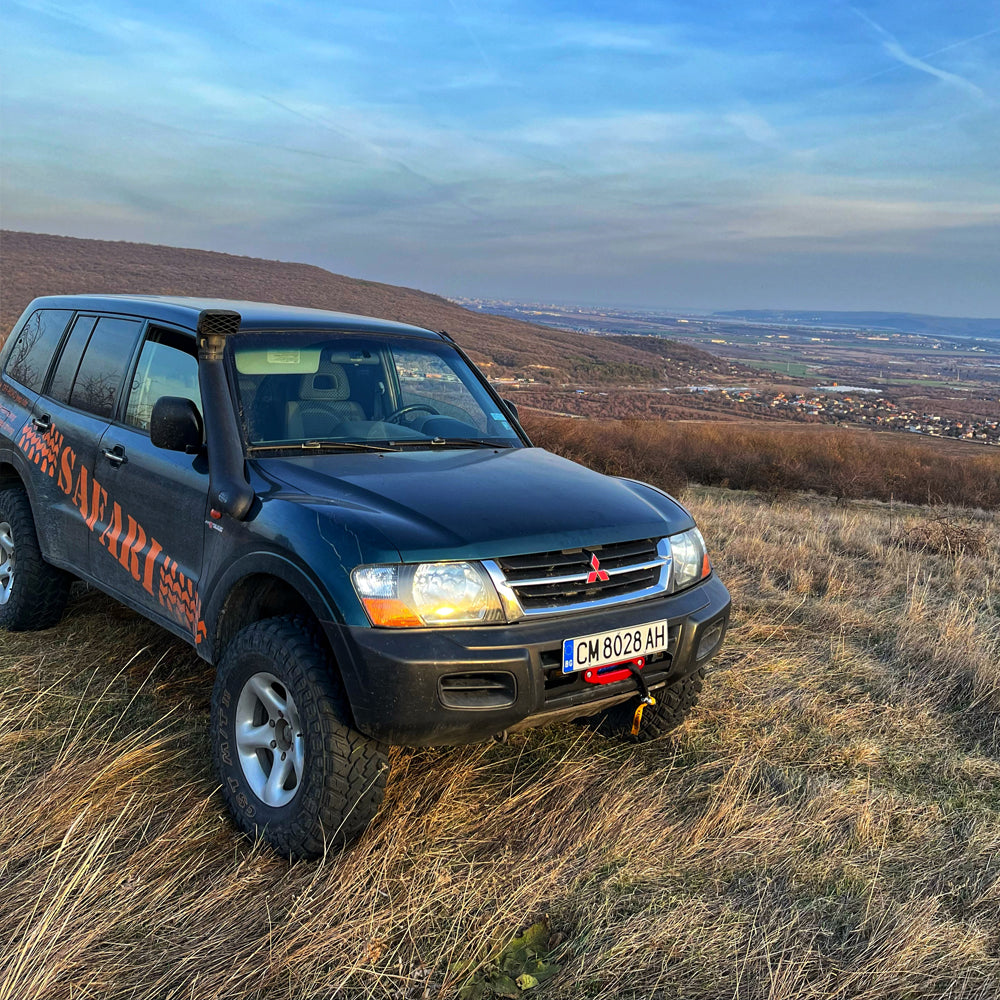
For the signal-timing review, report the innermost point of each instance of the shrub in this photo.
(847, 464)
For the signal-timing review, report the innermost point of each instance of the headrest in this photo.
(330, 382)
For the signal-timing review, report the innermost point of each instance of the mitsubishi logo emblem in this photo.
(596, 573)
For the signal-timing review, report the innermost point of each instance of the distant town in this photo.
(857, 406)
(919, 378)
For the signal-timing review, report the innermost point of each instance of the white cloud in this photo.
(612, 132)
(892, 47)
(898, 52)
(754, 126)
(603, 37)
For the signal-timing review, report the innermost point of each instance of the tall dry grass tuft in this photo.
(825, 825)
(778, 459)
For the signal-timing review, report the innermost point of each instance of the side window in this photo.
(168, 366)
(103, 367)
(29, 358)
(61, 384)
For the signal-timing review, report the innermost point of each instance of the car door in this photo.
(158, 499)
(70, 417)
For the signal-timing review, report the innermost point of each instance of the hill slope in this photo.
(35, 264)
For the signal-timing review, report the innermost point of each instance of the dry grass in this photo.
(778, 458)
(825, 825)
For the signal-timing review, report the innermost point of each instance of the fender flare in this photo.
(11, 456)
(263, 563)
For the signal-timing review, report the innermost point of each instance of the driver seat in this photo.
(324, 401)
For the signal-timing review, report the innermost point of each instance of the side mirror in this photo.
(176, 425)
(512, 408)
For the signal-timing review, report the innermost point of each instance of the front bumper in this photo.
(434, 686)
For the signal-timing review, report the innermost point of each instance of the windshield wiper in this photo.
(447, 443)
(321, 446)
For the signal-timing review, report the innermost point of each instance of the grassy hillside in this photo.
(826, 824)
(32, 264)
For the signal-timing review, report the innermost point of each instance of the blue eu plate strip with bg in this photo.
(568, 664)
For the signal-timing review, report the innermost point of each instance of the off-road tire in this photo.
(344, 773)
(38, 591)
(673, 705)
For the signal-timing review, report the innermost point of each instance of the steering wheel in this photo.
(393, 417)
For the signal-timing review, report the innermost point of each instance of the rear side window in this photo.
(105, 360)
(29, 358)
(168, 366)
(61, 383)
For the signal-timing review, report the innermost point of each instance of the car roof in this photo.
(184, 310)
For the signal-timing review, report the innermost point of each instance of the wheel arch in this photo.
(34, 591)
(9, 474)
(14, 471)
(254, 589)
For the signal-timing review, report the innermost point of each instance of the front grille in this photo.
(551, 580)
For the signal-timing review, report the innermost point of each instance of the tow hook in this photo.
(645, 697)
(621, 672)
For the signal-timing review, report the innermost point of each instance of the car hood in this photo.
(474, 503)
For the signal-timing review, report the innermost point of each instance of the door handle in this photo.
(42, 423)
(116, 455)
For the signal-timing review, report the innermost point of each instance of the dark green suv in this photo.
(344, 517)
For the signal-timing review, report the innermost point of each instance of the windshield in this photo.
(316, 389)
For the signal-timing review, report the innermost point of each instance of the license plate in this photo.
(604, 648)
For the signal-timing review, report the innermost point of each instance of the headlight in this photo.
(408, 596)
(690, 558)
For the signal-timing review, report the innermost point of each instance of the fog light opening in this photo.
(710, 641)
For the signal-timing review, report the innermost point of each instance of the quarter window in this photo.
(61, 384)
(168, 366)
(29, 357)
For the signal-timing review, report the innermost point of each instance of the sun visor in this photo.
(277, 360)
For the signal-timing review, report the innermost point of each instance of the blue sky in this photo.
(787, 154)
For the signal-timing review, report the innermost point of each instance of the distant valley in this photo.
(928, 383)
(940, 326)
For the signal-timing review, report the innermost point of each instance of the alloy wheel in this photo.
(7, 560)
(269, 740)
